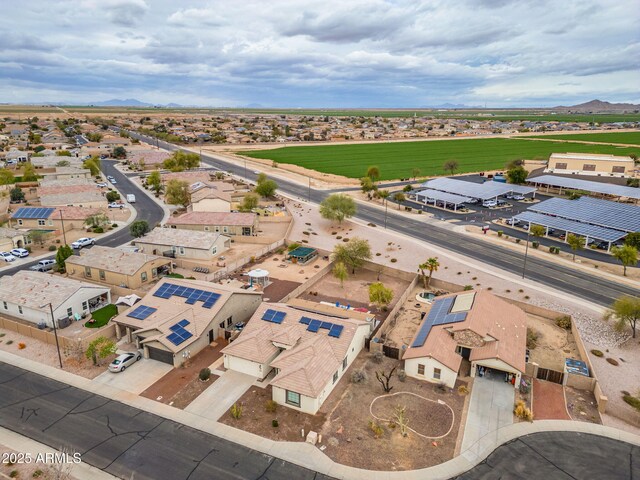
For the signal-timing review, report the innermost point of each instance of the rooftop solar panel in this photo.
(432, 195)
(336, 331)
(577, 228)
(192, 295)
(438, 315)
(33, 212)
(326, 325)
(141, 312)
(483, 191)
(578, 184)
(305, 320)
(279, 317)
(314, 325)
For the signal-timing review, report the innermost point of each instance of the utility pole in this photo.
(55, 331)
(309, 191)
(245, 170)
(526, 251)
(64, 235)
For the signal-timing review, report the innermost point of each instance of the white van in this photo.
(131, 198)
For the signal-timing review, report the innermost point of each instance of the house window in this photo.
(335, 377)
(561, 166)
(221, 325)
(181, 250)
(69, 312)
(41, 222)
(206, 228)
(225, 229)
(102, 274)
(217, 229)
(20, 309)
(437, 373)
(87, 272)
(143, 276)
(85, 306)
(293, 398)
(214, 250)
(154, 272)
(345, 362)
(617, 169)
(4, 304)
(19, 221)
(420, 369)
(589, 167)
(173, 226)
(51, 221)
(229, 321)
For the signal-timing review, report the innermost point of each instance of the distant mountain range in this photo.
(599, 106)
(131, 102)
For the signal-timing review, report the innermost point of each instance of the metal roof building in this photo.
(483, 191)
(433, 196)
(586, 185)
(571, 226)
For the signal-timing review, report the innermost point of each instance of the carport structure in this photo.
(568, 183)
(428, 196)
(488, 190)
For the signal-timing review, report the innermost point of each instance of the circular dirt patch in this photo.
(427, 418)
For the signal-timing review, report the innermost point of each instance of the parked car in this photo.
(513, 222)
(124, 360)
(113, 181)
(508, 195)
(20, 252)
(116, 205)
(43, 266)
(102, 184)
(517, 196)
(83, 242)
(7, 257)
(489, 203)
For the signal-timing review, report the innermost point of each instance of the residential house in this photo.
(83, 195)
(213, 196)
(229, 223)
(66, 173)
(16, 156)
(53, 219)
(178, 317)
(26, 295)
(472, 329)
(11, 238)
(113, 266)
(185, 244)
(309, 351)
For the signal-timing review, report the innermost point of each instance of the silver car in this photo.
(124, 360)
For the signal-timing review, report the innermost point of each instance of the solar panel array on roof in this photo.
(180, 334)
(483, 191)
(578, 184)
(452, 198)
(438, 315)
(604, 213)
(33, 212)
(273, 316)
(141, 312)
(571, 226)
(192, 295)
(315, 325)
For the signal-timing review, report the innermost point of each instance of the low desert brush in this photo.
(522, 412)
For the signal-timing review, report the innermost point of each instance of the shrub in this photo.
(402, 375)
(393, 260)
(52, 248)
(114, 225)
(521, 411)
(597, 353)
(633, 401)
(14, 474)
(500, 233)
(463, 390)
(22, 346)
(204, 374)
(37, 474)
(292, 246)
(532, 338)
(468, 287)
(98, 230)
(378, 357)
(358, 376)
(376, 429)
(518, 240)
(9, 342)
(236, 411)
(274, 423)
(613, 361)
(58, 241)
(564, 322)
(535, 244)
(271, 406)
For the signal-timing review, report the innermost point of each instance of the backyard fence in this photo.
(231, 267)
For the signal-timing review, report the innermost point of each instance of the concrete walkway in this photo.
(216, 400)
(490, 408)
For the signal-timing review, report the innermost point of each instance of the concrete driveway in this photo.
(137, 378)
(216, 400)
(490, 408)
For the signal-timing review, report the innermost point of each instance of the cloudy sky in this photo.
(329, 53)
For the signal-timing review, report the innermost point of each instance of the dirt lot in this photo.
(350, 441)
(582, 405)
(355, 291)
(181, 386)
(554, 344)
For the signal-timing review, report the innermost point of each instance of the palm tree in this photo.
(432, 265)
(384, 194)
(399, 197)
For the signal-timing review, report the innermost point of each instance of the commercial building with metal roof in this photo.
(568, 183)
(482, 191)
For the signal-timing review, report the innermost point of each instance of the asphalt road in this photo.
(560, 277)
(123, 440)
(147, 210)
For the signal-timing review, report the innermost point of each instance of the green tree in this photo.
(154, 181)
(576, 243)
(112, 196)
(373, 173)
(181, 161)
(626, 255)
(399, 197)
(380, 295)
(100, 348)
(267, 188)
(6, 177)
(415, 173)
(249, 202)
(353, 253)
(450, 166)
(366, 184)
(139, 228)
(39, 149)
(537, 230)
(93, 165)
(119, 152)
(96, 220)
(29, 173)
(431, 265)
(261, 178)
(626, 312)
(38, 236)
(338, 206)
(177, 193)
(340, 272)
(94, 137)
(16, 194)
(517, 175)
(633, 240)
(63, 163)
(64, 252)
(63, 153)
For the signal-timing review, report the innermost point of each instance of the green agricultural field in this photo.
(628, 138)
(396, 160)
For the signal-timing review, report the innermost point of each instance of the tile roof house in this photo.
(26, 295)
(475, 326)
(11, 238)
(213, 196)
(85, 195)
(309, 351)
(185, 244)
(117, 267)
(179, 317)
(52, 218)
(229, 223)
